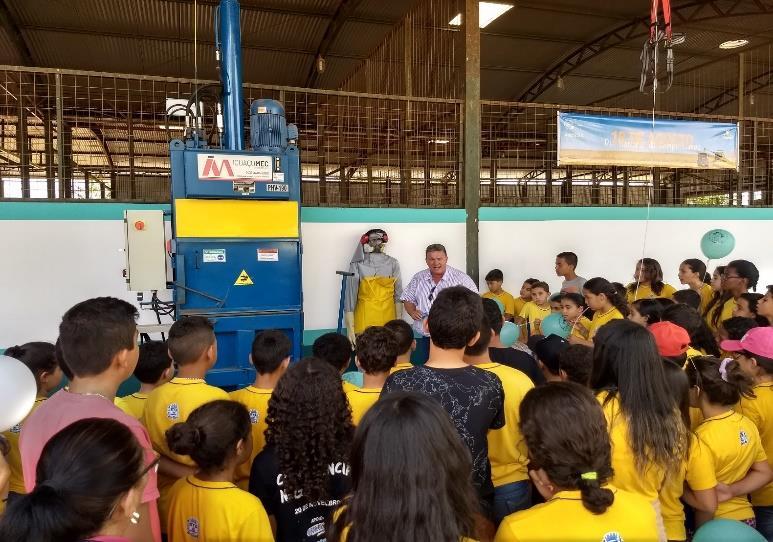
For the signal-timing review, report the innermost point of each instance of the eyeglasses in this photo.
(431, 295)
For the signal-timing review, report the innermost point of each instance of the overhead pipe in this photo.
(231, 74)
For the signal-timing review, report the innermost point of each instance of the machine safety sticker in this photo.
(214, 255)
(277, 188)
(234, 167)
(243, 279)
(268, 254)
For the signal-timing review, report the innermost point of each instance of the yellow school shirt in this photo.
(518, 303)
(645, 292)
(167, 405)
(345, 531)
(601, 318)
(215, 512)
(727, 312)
(256, 402)
(348, 386)
(698, 472)
(16, 481)
(532, 313)
(506, 447)
(400, 367)
(584, 322)
(735, 445)
(707, 294)
(134, 404)
(627, 477)
(506, 298)
(760, 411)
(360, 400)
(563, 517)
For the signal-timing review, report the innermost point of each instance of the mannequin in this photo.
(373, 293)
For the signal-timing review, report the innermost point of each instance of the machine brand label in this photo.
(214, 255)
(268, 254)
(277, 188)
(234, 167)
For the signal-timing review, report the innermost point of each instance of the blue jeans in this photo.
(511, 498)
(764, 515)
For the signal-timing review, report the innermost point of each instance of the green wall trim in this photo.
(504, 214)
(47, 210)
(372, 215)
(311, 335)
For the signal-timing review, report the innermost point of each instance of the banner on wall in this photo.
(594, 140)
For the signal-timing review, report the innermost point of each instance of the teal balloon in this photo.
(727, 530)
(554, 324)
(717, 244)
(500, 305)
(510, 333)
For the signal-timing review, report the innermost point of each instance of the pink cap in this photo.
(758, 340)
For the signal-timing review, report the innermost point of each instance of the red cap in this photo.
(758, 340)
(671, 339)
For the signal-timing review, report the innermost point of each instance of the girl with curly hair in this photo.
(302, 474)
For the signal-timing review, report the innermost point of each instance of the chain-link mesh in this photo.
(83, 135)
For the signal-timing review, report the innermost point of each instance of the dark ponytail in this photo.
(746, 270)
(83, 472)
(211, 433)
(566, 435)
(697, 266)
(40, 357)
(599, 285)
(723, 381)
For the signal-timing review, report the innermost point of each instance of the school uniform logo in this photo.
(192, 527)
(173, 411)
(16, 428)
(612, 537)
(254, 416)
(744, 438)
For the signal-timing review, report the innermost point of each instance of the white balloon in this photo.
(18, 390)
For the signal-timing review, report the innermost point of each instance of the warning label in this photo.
(268, 254)
(243, 279)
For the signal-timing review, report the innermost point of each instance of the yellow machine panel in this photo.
(235, 218)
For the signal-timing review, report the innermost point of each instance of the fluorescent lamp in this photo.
(171, 127)
(439, 141)
(733, 44)
(488, 11)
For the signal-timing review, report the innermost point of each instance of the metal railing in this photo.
(83, 135)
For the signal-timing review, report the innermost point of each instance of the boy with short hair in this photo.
(406, 343)
(193, 348)
(271, 350)
(506, 447)
(547, 351)
(537, 309)
(376, 352)
(494, 280)
(575, 364)
(566, 264)
(524, 296)
(99, 339)
(499, 353)
(473, 398)
(154, 368)
(336, 350)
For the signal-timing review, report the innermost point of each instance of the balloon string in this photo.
(575, 321)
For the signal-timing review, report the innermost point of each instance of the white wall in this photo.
(47, 265)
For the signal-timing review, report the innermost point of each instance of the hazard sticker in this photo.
(243, 279)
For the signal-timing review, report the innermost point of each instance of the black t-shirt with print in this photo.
(473, 398)
(297, 519)
(518, 359)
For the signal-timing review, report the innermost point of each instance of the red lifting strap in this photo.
(654, 20)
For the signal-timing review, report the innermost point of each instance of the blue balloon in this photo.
(721, 530)
(554, 324)
(510, 333)
(717, 244)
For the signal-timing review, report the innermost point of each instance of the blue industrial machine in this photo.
(236, 249)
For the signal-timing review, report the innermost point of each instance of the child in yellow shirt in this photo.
(537, 309)
(573, 309)
(41, 359)
(740, 462)
(648, 282)
(270, 355)
(571, 466)
(406, 344)
(607, 303)
(193, 348)
(524, 296)
(494, 280)
(336, 350)
(154, 368)
(207, 505)
(376, 353)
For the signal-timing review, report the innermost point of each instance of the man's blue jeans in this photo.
(511, 498)
(764, 515)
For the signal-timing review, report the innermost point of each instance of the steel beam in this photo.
(472, 130)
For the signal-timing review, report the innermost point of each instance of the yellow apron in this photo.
(375, 303)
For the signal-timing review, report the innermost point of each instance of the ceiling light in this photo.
(560, 83)
(733, 44)
(439, 141)
(488, 11)
(171, 127)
